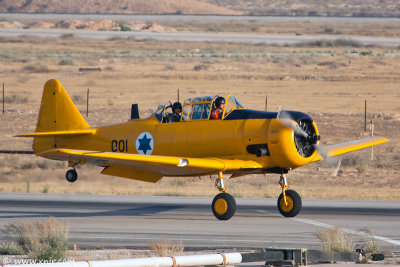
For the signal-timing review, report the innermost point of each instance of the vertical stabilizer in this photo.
(57, 113)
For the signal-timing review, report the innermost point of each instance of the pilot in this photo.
(216, 114)
(175, 116)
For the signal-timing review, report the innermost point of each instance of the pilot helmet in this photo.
(218, 101)
(178, 106)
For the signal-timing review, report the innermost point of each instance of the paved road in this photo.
(134, 221)
(198, 37)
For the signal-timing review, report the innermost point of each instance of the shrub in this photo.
(370, 244)
(165, 248)
(46, 189)
(28, 186)
(42, 164)
(26, 165)
(66, 61)
(358, 160)
(35, 69)
(67, 36)
(334, 239)
(124, 28)
(44, 240)
(200, 67)
(366, 53)
(78, 99)
(169, 67)
(10, 248)
(332, 43)
(15, 99)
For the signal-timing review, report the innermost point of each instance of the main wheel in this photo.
(71, 176)
(293, 204)
(223, 206)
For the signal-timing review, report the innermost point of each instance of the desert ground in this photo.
(328, 81)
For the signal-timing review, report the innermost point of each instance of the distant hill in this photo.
(115, 6)
(337, 8)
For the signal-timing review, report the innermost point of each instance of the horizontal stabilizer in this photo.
(59, 133)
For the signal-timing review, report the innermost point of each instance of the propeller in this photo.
(305, 136)
(306, 140)
(295, 126)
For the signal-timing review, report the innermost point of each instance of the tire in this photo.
(223, 206)
(71, 176)
(294, 204)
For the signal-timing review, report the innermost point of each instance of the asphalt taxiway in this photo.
(135, 221)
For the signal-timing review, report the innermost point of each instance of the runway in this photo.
(135, 221)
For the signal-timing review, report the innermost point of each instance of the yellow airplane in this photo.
(240, 142)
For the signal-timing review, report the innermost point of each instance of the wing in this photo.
(343, 148)
(148, 167)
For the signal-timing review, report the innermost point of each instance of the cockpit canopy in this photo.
(198, 108)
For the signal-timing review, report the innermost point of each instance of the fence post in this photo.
(266, 103)
(3, 100)
(87, 103)
(365, 117)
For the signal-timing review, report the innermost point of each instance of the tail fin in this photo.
(57, 113)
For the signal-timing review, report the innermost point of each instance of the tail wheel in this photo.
(293, 206)
(223, 206)
(71, 176)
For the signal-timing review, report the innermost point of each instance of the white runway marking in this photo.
(325, 225)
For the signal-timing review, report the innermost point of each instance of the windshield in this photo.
(159, 111)
(234, 102)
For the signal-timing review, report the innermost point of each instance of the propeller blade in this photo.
(284, 114)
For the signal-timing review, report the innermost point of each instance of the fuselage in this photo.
(244, 134)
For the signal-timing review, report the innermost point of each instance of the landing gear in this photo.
(289, 202)
(223, 205)
(71, 175)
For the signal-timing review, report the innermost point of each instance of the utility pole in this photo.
(266, 103)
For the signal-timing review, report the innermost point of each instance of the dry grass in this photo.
(370, 245)
(165, 248)
(334, 239)
(44, 240)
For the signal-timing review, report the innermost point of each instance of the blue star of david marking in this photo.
(144, 144)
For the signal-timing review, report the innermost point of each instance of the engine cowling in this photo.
(292, 140)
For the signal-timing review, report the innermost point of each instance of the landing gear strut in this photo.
(71, 175)
(289, 202)
(223, 205)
